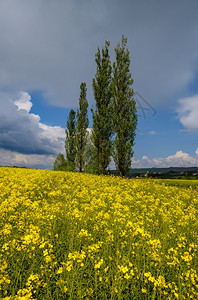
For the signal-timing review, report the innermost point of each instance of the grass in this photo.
(179, 183)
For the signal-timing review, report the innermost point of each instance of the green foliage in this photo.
(81, 127)
(114, 115)
(60, 163)
(70, 142)
(124, 109)
(102, 115)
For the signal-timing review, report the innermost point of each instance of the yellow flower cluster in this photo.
(79, 236)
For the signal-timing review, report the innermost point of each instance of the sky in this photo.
(48, 48)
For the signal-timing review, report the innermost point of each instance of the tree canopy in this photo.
(114, 117)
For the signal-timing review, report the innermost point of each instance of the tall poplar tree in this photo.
(82, 122)
(70, 142)
(124, 109)
(102, 115)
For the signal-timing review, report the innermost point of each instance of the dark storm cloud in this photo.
(22, 132)
(50, 45)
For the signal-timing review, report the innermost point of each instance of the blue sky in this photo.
(47, 50)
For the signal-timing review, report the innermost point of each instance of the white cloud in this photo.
(179, 159)
(153, 132)
(54, 133)
(182, 159)
(188, 112)
(24, 102)
(144, 157)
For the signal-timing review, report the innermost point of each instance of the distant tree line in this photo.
(114, 118)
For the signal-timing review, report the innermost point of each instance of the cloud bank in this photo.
(22, 133)
(50, 45)
(179, 159)
(10, 158)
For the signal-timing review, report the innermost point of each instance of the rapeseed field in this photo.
(78, 236)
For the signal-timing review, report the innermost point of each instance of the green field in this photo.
(179, 183)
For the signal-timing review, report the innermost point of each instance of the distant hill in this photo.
(172, 172)
(164, 170)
